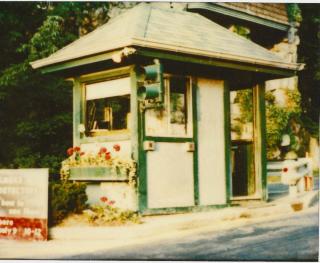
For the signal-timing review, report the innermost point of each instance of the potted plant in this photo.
(102, 166)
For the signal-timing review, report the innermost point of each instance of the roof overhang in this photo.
(154, 49)
(212, 7)
(209, 55)
(75, 63)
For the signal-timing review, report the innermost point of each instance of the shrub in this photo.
(65, 197)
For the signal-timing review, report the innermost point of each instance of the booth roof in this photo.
(169, 30)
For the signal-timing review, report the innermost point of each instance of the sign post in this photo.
(24, 204)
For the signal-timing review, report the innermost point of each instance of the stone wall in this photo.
(287, 49)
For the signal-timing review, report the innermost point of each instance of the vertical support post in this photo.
(77, 112)
(227, 134)
(195, 138)
(137, 138)
(260, 139)
(134, 108)
(134, 129)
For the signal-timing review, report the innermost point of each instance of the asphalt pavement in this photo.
(295, 238)
(262, 231)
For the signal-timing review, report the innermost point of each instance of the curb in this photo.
(299, 202)
(164, 224)
(153, 225)
(310, 199)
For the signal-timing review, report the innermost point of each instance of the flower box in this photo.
(97, 174)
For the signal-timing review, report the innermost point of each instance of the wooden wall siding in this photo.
(211, 143)
(273, 11)
(170, 176)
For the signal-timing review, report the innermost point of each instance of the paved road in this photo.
(292, 238)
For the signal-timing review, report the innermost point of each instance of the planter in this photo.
(97, 174)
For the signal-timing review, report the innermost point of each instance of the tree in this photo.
(36, 109)
(18, 22)
(309, 78)
(32, 112)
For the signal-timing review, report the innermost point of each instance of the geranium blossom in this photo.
(116, 147)
(70, 151)
(104, 199)
(103, 150)
(77, 149)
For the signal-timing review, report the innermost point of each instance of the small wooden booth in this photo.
(163, 85)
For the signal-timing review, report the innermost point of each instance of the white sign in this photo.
(24, 203)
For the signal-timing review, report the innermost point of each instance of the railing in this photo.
(302, 166)
(274, 168)
(295, 173)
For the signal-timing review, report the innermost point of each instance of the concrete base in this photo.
(122, 193)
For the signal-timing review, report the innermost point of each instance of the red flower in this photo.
(112, 202)
(116, 147)
(103, 150)
(70, 151)
(108, 156)
(103, 199)
(76, 149)
(82, 153)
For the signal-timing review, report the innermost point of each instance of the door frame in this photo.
(259, 145)
(142, 154)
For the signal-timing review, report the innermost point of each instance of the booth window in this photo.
(174, 119)
(107, 107)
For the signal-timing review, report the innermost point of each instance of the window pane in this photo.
(178, 114)
(106, 112)
(172, 119)
(110, 88)
(156, 122)
(241, 104)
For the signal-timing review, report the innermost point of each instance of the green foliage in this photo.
(36, 109)
(311, 126)
(47, 40)
(309, 53)
(36, 119)
(241, 30)
(294, 12)
(65, 198)
(245, 100)
(18, 22)
(81, 18)
(277, 121)
(278, 117)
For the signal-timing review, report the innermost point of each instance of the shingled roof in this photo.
(273, 11)
(168, 30)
